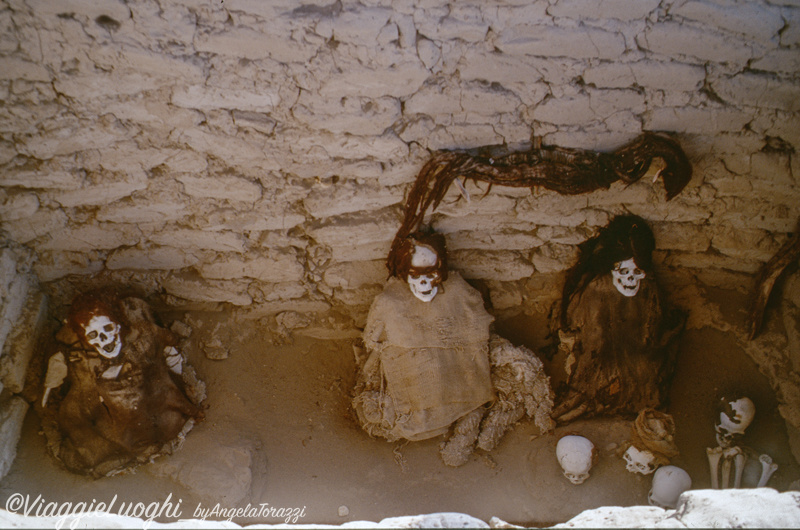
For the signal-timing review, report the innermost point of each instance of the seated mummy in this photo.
(117, 392)
(616, 331)
(432, 366)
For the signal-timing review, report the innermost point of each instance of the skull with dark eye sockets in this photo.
(627, 277)
(103, 335)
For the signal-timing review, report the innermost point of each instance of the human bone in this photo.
(668, 484)
(56, 373)
(422, 285)
(103, 335)
(575, 454)
(714, 456)
(112, 372)
(639, 461)
(720, 460)
(768, 467)
(174, 359)
(731, 428)
(728, 456)
(627, 277)
(739, 459)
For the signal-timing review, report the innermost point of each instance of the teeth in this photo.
(109, 347)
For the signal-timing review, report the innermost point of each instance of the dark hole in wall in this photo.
(105, 21)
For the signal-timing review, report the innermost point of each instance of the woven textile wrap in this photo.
(427, 363)
(654, 431)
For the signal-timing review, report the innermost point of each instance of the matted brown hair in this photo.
(402, 259)
(93, 303)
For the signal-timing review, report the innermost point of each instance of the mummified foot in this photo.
(456, 450)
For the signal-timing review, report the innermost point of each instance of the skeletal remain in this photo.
(739, 460)
(627, 277)
(576, 456)
(768, 467)
(424, 286)
(714, 456)
(734, 419)
(639, 461)
(112, 372)
(56, 373)
(174, 359)
(720, 460)
(668, 484)
(103, 334)
(728, 455)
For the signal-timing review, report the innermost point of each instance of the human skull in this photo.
(730, 429)
(424, 286)
(103, 335)
(627, 277)
(639, 461)
(575, 454)
(668, 484)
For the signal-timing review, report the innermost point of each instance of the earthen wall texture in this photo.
(257, 153)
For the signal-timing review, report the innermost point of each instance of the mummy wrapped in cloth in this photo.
(117, 392)
(432, 367)
(615, 329)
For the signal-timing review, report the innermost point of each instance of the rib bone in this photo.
(768, 467)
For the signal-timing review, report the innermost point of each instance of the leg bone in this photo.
(727, 459)
(738, 461)
(714, 454)
(726, 472)
(768, 467)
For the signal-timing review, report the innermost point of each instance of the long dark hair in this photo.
(625, 237)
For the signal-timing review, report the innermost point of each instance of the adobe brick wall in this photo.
(256, 154)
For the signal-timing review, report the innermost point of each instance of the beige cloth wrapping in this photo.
(427, 362)
(654, 431)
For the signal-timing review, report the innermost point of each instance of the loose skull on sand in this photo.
(638, 461)
(576, 455)
(668, 484)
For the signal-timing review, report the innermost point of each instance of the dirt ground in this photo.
(279, 430)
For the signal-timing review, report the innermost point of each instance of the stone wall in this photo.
(256, 153)
(22, 313)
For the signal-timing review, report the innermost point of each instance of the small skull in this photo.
(103, 335)
(627, 277)
(424, 286)
(668, 484)
(731, 428)
(575, 454)
(639, 461)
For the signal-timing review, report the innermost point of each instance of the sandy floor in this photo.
(278, 430)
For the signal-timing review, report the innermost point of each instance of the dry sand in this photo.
(279, 430)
